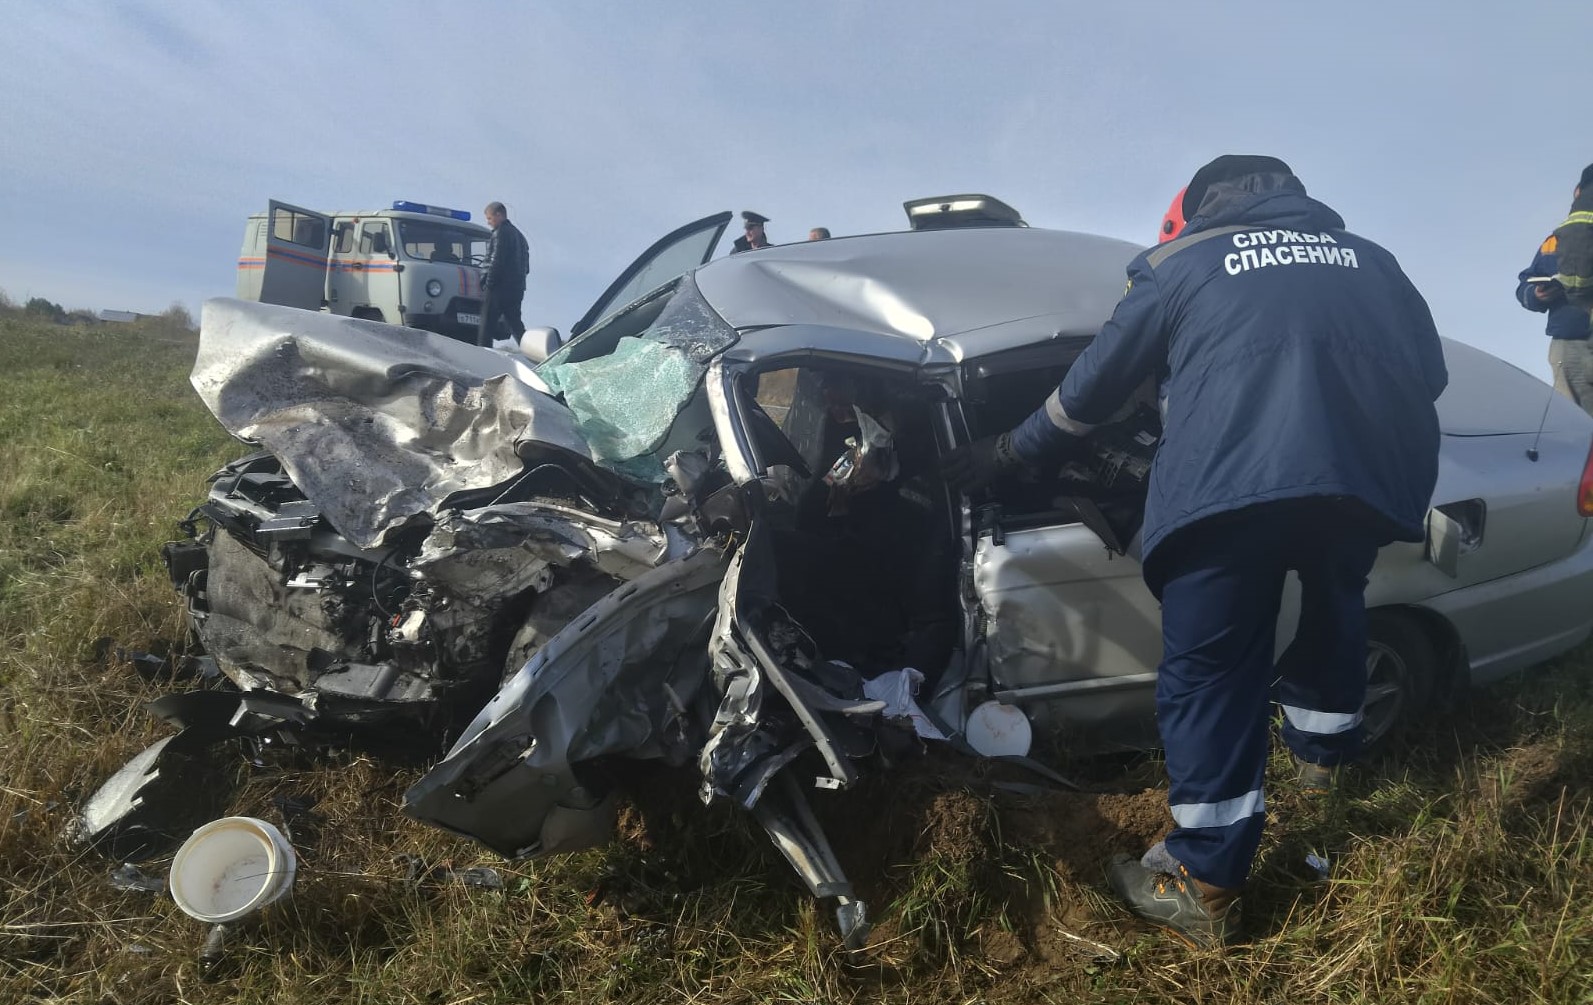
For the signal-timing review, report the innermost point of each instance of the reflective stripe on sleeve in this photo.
(1321, 723)
(1221, 814)
(1580, 216)
(1059, 416)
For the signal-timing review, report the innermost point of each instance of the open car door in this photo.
(294, 270)
(677, 252)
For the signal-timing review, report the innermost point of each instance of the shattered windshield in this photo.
(626, 401)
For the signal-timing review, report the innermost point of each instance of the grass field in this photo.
(1462, 869)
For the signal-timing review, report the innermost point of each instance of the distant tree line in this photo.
(174, 318)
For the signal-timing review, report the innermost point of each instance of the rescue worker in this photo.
(503, 272)
(1568, 328)
(754, 237)
(1575, 237)
(1173, 219)
(1298, 368)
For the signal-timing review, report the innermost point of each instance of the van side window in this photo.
(298, 228)
(345, 237)
(373, 238)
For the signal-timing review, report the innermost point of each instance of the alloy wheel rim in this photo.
(1386, 675)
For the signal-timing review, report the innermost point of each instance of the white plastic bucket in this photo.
(231, 867)
(995, 729)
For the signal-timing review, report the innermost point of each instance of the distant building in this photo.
(121, 316)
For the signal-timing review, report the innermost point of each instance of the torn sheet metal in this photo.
(778, 695)
(374, 423)
(504, 549)
(615, 682)
(154, 802)
(870, 461)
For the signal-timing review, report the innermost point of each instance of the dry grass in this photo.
(1461, 871)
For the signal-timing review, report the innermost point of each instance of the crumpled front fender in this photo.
(617, 681)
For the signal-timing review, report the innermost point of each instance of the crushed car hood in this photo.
(375, 423)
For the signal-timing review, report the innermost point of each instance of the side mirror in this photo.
(379, 244)
(537, 344)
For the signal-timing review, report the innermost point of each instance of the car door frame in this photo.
(607, 303)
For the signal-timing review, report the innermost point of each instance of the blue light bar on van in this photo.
(420, 207)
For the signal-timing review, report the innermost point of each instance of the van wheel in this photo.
(369, 314)
(1401, 672)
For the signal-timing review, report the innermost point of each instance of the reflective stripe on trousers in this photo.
(1221, 593)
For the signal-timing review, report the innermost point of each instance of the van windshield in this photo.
(438, 242)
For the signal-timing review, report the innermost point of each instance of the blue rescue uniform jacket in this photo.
(1565, 320)
(1295, 360)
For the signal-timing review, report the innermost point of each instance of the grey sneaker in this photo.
(1201, 916)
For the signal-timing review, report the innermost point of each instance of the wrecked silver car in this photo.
(710, 531)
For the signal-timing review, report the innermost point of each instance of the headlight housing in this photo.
(434, 287)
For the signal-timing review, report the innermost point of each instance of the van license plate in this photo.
(468, 319)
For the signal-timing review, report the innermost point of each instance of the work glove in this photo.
(971, 467)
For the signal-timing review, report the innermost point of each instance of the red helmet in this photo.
(1173, 222)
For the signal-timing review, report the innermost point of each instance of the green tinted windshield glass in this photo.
(626, 401)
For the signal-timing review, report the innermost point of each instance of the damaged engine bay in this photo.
(429, 543)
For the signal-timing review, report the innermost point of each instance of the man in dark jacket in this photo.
(754, 237)
(503, 274)
(1298, 368)
(1575, 238)
(1562, 254)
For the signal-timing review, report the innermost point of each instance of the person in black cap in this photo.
(1298, 367)
(1563, 290)
(754, 238)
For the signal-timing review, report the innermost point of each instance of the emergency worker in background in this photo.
(1570, 352)
(1575, 237)
(503, 273)
(753, 237)
(1298, 368)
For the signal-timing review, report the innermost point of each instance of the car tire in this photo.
(1401, 673)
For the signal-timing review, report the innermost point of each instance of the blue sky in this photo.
(138, 137)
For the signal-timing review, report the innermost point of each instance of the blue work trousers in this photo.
(1221, 584)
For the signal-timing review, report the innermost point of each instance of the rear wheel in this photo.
(1401, 673)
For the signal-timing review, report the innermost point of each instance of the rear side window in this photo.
(298, 228)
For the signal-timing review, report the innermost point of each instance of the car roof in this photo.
(964, 292)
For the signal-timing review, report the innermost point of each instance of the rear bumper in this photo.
(1513, 622)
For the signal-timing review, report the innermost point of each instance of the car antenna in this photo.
(1532, 451)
